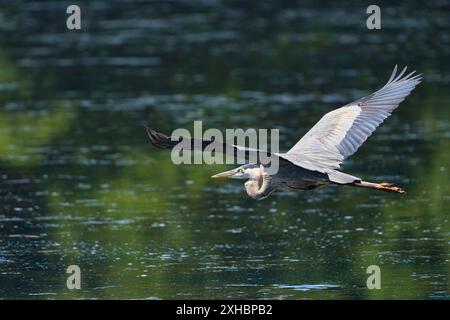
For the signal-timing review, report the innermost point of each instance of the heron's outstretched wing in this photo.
(342, 131)
(162, 141)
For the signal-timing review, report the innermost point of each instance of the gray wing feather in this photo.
(341, 132)
(162, 141)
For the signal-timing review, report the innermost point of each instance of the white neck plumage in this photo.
(259, 185)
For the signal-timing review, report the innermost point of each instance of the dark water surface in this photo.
(80, 185)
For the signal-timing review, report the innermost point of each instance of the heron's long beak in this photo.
(225, 174)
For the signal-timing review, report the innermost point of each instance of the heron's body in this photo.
(316, 158)
(262, 182)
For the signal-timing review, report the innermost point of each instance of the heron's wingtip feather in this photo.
(157, 139)
(403, 78)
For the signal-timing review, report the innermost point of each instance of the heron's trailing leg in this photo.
(378, 186)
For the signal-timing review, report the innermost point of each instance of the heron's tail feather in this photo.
(378, 186)
(341, 177)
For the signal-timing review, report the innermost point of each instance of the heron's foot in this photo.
(390, 187)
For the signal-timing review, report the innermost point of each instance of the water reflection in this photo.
(80, 185)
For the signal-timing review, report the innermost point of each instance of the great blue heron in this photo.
(315, 159)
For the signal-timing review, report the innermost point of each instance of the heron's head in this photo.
(246, 171)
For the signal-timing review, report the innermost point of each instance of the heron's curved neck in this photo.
(259, 187)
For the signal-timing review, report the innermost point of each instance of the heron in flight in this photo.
(316, 158)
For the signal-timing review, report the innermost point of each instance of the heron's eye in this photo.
(241, 170)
